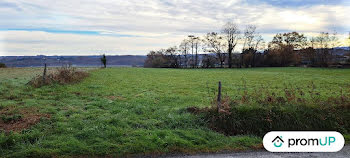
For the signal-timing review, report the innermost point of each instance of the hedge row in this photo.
(258, 120)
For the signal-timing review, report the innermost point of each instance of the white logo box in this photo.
(303, 141)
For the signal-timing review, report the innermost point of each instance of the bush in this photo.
(2, 65)
(262, 111)
(258, 120)
(63, 75)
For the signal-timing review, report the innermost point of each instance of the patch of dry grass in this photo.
(63, 75)
(13, 119)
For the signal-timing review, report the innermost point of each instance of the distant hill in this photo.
(36, 61)
(343, 48)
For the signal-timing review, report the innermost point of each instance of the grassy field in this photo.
(127, 111)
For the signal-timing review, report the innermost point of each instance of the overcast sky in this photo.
(120, 27)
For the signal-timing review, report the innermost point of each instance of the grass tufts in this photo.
(260, 111)
(63, 75)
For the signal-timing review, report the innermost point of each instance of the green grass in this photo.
(124, 111)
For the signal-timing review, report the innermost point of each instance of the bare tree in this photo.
(231, 33)
(326, 43)
(334, 40)
(184, 48)
(248, 36)
(259, 42)
(194, 45)
(349, 42)
(214, 43)
(252, 41)
(308, 54)
(312, 42)
(322, 41)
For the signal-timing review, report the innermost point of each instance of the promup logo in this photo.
(278, 141)
(303, 141)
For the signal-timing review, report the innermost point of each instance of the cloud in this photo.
(22, 43)
(136, 26)
(300, 3)
(9, 5)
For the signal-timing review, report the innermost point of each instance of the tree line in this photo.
(285, 49)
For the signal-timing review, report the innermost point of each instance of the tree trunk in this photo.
(254, 54)
(192, 56)
(241, 62)
(230, 56)
(196, 62)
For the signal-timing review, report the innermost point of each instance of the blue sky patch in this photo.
(79, 32)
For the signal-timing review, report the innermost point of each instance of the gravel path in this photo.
(344, 153)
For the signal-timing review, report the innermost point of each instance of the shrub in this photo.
(63, 75)
(261, 111)
(258, 120)
(2, 65)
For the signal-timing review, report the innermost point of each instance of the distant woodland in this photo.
(220, 49)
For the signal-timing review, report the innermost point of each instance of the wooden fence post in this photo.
(44, 74)
(219, 96)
